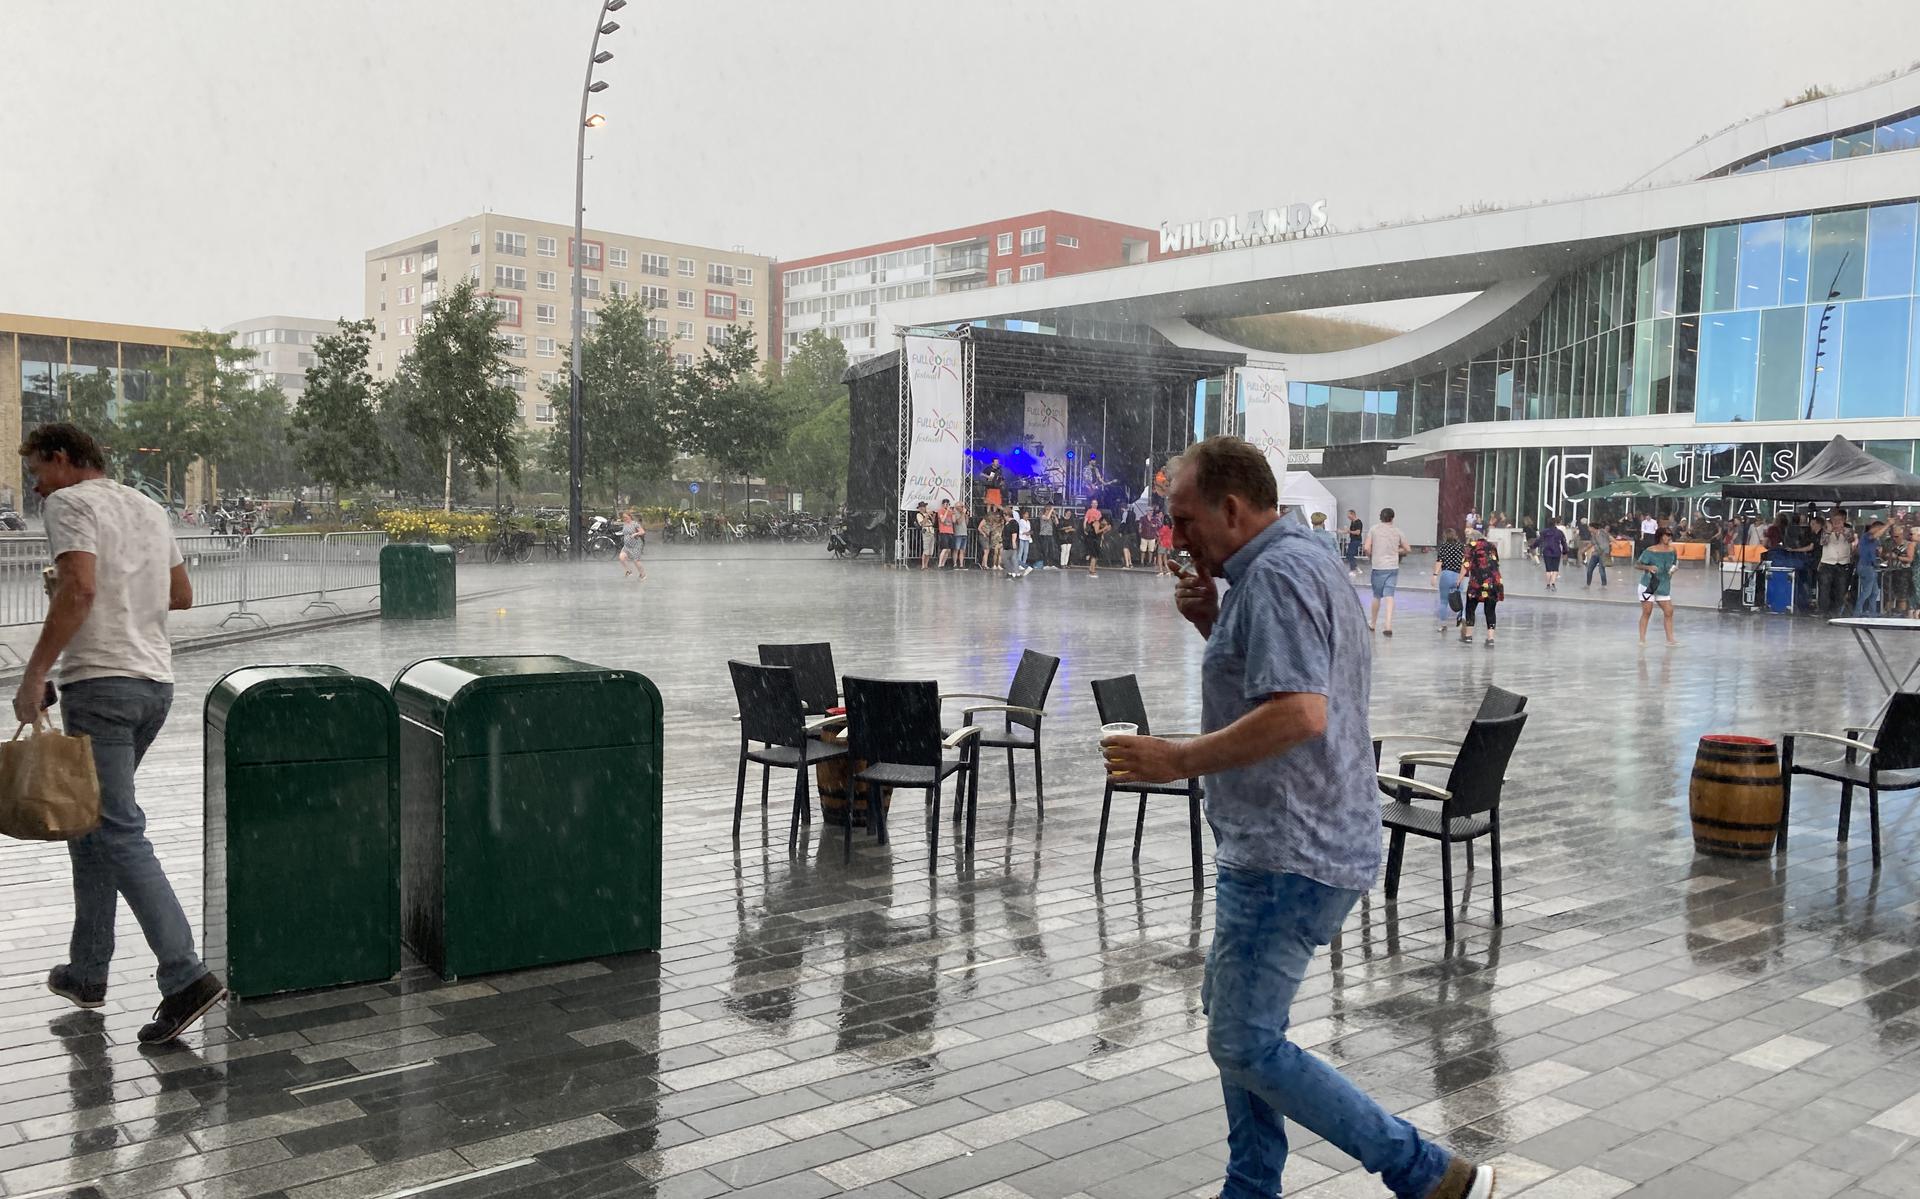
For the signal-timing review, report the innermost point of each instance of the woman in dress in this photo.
(1483, 588)
(1093, 533)
(1656, 564)
(633, 535)
(1447, 561)
(1899, 555)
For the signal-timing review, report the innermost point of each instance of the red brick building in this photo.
(841, 292)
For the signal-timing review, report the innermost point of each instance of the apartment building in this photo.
(841, 292)
(697, 293)
(282, 349)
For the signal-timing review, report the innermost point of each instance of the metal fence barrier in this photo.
(225, 568)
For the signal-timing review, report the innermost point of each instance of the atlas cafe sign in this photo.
(1255, 227)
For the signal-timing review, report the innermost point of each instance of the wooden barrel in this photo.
(830, 784)
(1735, 796)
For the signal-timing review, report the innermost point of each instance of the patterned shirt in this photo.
(1291, 622)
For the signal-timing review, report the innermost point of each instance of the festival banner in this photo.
(1262, 401)
(936, 437)
(1046, 435)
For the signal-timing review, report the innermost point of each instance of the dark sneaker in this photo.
(61, 982)
(181, 1010)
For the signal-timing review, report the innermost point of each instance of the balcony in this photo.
(973, 262)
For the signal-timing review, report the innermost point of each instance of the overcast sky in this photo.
(196, 162)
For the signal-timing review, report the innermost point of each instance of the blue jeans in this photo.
(122, 716)
(1266, 928)
(1017, 556)
(1598, 562)
(1449, 585)
(1866, 599)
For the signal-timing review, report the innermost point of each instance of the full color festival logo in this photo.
(932, 486)
(1264, 389)
(930, 363)
(935, 425)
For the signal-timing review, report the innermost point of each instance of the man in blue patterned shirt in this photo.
(1292, 801)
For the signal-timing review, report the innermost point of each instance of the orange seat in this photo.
(1690, 551)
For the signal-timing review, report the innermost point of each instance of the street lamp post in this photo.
(595, 56)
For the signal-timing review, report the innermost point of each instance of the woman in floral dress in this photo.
(1483, 586)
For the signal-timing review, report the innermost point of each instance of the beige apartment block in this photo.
(696, 293)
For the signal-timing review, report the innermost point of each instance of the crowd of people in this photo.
(1017, 540)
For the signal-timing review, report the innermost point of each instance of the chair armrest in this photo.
(954, 739)
(1013, 709)
(998, 699)
(1860, 731)
(1836, 738)
(1415, 785)
(1452, 741)
(823, 723)
(1429, 757)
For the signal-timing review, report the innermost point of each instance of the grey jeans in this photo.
(123, 716)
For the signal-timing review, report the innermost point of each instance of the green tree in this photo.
(188, 410)
(256, 449)
(335, 430)
(414, 469)
(812, 402)
(456, 396)
(627, 400)
(816, 455)
(92, 404)
(725, 412)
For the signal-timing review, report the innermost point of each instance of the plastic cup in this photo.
(1119, 729)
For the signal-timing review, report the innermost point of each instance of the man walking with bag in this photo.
(1294, 807)
(119, 574)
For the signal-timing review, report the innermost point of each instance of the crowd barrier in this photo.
(226, 569)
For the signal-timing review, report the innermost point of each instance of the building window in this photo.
(657, 327)
(590, 286)
(685, 267)
(746, 306)
(429, 262)
(720, 305)
(590, 254)
(1034, 240)
(509, 243)
(1003, 276)
(511, 277)
(545, 313)
(1033, 272)
(1004, 243)
(683, 360)
(473, 271)
(684, 329)
(509, 309)
(619, 287)
(516, 345)
(717, 335)
(406, 264)
(473, 242)
(545, 347)
(743, 276)
(652, 296)
(546, 280)
(720, 274)
(549, 380)
(1069, 242)
(653, 264)
(617, 258)
(430, 292)
(683, 298)
(546, 247)
(543, 413)
(408, 324)
(403, 295)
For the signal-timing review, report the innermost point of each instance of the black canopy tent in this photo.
(1842, 473)
(1127, 403)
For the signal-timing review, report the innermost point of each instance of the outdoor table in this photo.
(1866, 630)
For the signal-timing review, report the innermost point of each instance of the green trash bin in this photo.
(302, 829)
(530, 812)
(416, 581)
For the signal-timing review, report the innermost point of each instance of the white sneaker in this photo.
(1482, 1187)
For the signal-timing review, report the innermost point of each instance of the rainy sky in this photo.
(196, 162)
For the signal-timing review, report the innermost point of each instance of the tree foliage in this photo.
(335, 430)
(725, 412)
(452, 392)
(189, 409)
(627, 400)
(814, 406)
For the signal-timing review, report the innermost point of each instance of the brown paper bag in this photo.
(48, 788)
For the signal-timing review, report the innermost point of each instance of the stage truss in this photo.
(903, 520)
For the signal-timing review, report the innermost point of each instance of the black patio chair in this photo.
(1024, 706)
(893, 728)
(1469, 806)
(1495, 704)
(1892, 753)
(812, 663)
(1119, 702)
(774, 732)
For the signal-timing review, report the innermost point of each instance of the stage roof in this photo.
(1039, 361)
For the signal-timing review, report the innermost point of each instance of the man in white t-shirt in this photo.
(1383, 549)
(1022, 562)
(118, 574)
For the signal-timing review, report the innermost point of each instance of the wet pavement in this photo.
(1645, 1020)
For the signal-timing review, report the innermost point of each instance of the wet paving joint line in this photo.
(341, 1082)
(469, 1176)
(65, 1188)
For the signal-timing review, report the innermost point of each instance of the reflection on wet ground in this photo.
(1011, 1026)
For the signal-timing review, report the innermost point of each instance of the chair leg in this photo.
(1139, 827)
(1013, 794)
(1469, 857)
(933, 826)
(1446, 882)
(1493, 852)
(1786, 795)
(1846, 809)
(739, 792)
(1039, 791)
(1193, 833)
(1100, 846)
(1396, 851)
(799, 806)
(1873, 820)
(876, 814)
(973, 796)
(766, 773)
(846, 829)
